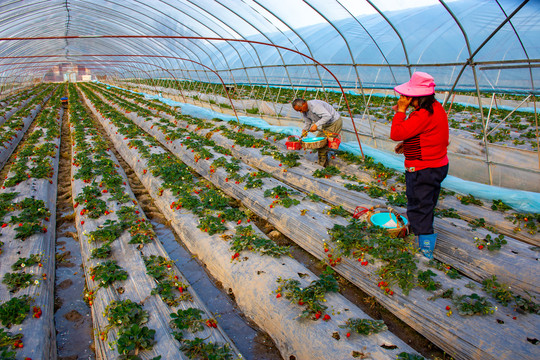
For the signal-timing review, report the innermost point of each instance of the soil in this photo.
(72, 317)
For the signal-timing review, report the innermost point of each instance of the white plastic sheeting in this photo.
(364, 42)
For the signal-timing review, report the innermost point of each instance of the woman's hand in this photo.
(403, 103)
(399, 148)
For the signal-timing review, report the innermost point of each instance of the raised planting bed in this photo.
(13, 129)
(27, 237)
(141, 303)
(18, 102)
(460, 245)
(203, 219)
(427, 316)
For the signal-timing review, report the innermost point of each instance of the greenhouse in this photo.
(268, 179)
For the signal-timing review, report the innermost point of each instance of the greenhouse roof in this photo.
(363, 44)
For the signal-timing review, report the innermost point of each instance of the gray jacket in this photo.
(320, 113)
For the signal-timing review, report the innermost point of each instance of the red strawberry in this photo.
(278, 295)
(480, 247)
(317, 315)
(447, 307)
(326, 317)
(348, 334)
(4, 225)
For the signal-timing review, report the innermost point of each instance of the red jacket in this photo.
(424, 136)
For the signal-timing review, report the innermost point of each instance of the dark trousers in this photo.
(335, 128)
(423, 189)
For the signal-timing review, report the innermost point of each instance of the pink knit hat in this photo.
(421, 84)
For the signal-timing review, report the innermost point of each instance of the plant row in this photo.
(27, 235)
(130, 278)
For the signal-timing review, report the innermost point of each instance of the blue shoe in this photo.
(427, 244)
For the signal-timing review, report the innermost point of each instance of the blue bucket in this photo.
(313, 139)
(387, 220)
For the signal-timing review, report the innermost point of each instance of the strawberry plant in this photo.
(469, 199)
(375, 192)
(355, 187)
(211, 224)
(198, 349)
(473, 305)
(338, 211)
(133, 339)
(490, 243)
(499, 205)
(500, 292)
(425, 280)
(246, 239)
(289, 159)
(529, 221)
(364, 326)
(15, 310)
(449, 213)
(326, 172)
(409, 356)
(476, 223)
(213, 199)
(232, 214)
(505, 296)
(447, 269)
(108, 232)
(8, 341)
(6, 203)
(314, 197)
(108, 272)
(102, 252)
(189, 319)
(231, 166)
(141, 232)
(21, 263)
(167, 289)
(397, 199)
(281, 193)
(17, 281)
(124, 313)
(311, 296)
(93, 206)
(157, 266)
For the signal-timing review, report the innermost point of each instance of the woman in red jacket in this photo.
(424, 139)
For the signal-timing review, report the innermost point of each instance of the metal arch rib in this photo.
(267, 38)
(295, 32)
(371, 37)
(397, 33)
(470, 61)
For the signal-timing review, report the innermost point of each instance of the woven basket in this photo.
(315, 144)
